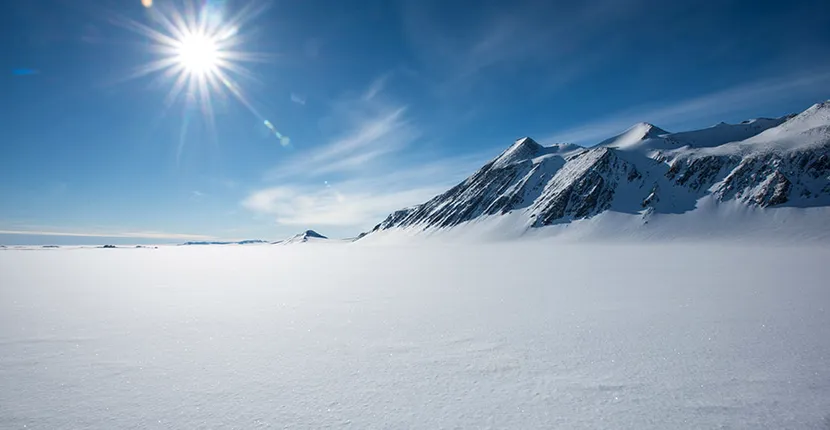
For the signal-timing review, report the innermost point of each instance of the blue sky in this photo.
(385, 103)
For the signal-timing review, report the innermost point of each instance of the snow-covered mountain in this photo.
(304, 237)
(761, 163)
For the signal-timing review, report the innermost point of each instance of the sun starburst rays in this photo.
(198, 51)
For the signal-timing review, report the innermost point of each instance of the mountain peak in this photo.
(635, 134)
(525, 141)
(646, 130)
(521, 150)
(306, 236)
(822, 108)
(645, 170)
(816, 116)
(312, 233)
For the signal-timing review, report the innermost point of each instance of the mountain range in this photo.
(241, 242)
(759, 165)
(304, 237)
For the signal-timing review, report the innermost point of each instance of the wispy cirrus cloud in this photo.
(372, 127)
(370, 168)
(298, 98)
(366, 136)
(706, 107)
(376, 87)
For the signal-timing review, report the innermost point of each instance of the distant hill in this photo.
(304, 237)
(241, 242)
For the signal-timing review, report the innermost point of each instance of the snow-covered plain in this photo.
(526, 335)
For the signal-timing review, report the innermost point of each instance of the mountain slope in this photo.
(644, 171)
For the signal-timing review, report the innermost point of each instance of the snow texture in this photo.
(521, 335)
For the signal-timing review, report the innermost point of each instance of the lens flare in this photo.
(284, 140)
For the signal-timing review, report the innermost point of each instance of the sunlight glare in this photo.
(198, 53)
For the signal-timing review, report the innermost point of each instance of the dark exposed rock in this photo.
(699, 173)
(774, 192)
(670, 173)
(761, 179)
(652, 198)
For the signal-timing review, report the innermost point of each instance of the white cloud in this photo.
(700, 108)
(298, 98)
(365, 201)
(327, 206)
(136, 234)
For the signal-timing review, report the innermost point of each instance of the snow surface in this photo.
(808, 130)
(634, 136)
(523, 335)
(709, 220)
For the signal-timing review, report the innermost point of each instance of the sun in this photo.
(198, 50)
(198, 54)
